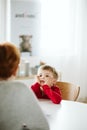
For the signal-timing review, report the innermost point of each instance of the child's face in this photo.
(46, 77)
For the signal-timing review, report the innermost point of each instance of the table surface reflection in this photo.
(68, 115)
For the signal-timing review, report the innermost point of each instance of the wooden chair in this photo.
(69, 91)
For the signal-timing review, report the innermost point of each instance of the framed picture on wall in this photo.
(25, 25)
(25, 44)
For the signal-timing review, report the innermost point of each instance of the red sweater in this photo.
(52, 93)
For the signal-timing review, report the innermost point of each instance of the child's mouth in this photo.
(42, 82)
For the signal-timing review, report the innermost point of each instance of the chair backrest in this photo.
(19, 108)
(69, 91)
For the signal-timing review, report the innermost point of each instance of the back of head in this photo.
(9, 59)
(49, 68)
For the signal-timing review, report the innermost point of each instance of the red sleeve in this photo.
(53, 93)
(36, 89)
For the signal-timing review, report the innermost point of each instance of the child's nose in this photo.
(42, 77)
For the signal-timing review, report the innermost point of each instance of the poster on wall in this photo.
(25, 25)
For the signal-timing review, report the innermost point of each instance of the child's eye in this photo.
(47, 75)
(40, 75)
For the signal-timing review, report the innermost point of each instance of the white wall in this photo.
(83, 54)
(66, 46)
(2, 20)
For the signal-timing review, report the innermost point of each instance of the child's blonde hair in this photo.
(49, 68)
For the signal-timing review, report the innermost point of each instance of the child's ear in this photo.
(15, 71)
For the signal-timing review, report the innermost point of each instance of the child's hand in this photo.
(37, 79)
(49, 82)
(41, 88)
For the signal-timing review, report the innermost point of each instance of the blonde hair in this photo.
(9, 59)
(49, 68)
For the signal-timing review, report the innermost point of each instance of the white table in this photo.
(27, 81)
(68, 115)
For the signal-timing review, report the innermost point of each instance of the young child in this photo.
(45, 85)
